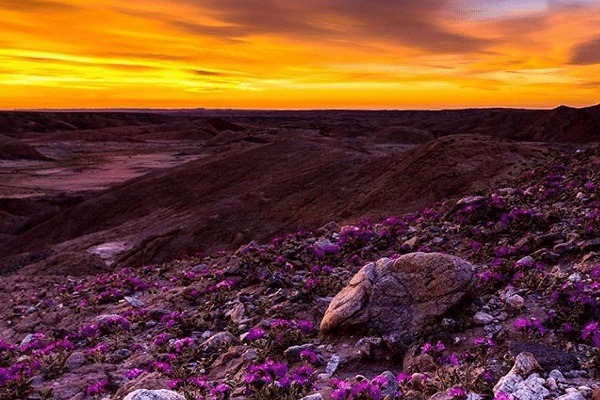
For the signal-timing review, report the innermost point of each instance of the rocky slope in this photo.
(254, 193)
(245, 324)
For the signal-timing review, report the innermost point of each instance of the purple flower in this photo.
(342, 392)
(279, 369)
(96, 388)
(501, 396)
(457, 392)
(182, 343)
(305, 327)
(221, 388)
(89, 331)
(403, 377)
(162, 339)
(255, 334)
(589, 329)
(303, 375)
(310, 356)
(133, 373)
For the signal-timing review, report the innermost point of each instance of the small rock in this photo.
(473, 396)
(481, 318)
(236, 314)
(571, 396)
(548, 357)
(333, 364)
(75, 360)
(411, 244)
(134, 302)
(515, 301)
(162, 394)
(525, 364)
(390, 387)
(585, 390)
(316, 396)
(557, 375)
(219, 340)
(596, 394)
(293, 353)
(551, 384)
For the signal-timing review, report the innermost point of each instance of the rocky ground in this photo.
(515, 315)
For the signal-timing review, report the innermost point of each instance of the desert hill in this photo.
(231, 199)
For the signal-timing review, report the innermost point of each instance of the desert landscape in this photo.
(299, 200)
(334, 254)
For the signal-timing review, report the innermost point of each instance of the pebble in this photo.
(515, 301)
(316, 396)
(75, 360)
(481, 318)
(557, 376)
(333, 364)
(571, 396)
(551, 384)
(134, 302)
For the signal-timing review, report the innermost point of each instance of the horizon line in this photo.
(161, 109)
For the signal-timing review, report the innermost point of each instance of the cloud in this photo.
(414, 24)
(35, 5)
(587, 53)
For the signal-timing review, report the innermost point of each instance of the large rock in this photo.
(398, 296)
(161, 394)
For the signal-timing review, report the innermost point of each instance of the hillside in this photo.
(225, 325)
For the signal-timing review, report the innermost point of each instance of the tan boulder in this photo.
(399, 296)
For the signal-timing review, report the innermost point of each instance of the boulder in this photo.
(396, 297)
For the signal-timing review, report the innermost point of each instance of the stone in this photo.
(220, 339)
(333, 364)
(316, 396)
(551, 384)
(596, 394)
(532, 388)
(515, 301)
(548, 357)
(236, 314)
(411, 243)
(134, 302)
(75, 360)
(389, 389)
(522, 382)
(482, 318)
(525, 364)
(293, 353)
(162, 394)
(571, 396)
(557, 376)
(399, 296)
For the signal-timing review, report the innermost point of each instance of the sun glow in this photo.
(234, 54)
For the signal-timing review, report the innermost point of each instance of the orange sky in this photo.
(305, 54)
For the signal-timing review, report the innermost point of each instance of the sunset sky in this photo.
(299, 54)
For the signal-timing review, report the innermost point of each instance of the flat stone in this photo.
(482, 318)
(75, 360)
(162, 394)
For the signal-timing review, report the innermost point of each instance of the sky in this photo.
(309, 54)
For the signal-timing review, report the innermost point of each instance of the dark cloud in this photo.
(587, 53)
(35, 5)
(416, 24)
(54, 61)
(202, 72)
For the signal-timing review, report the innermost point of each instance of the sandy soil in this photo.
(78, 166)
